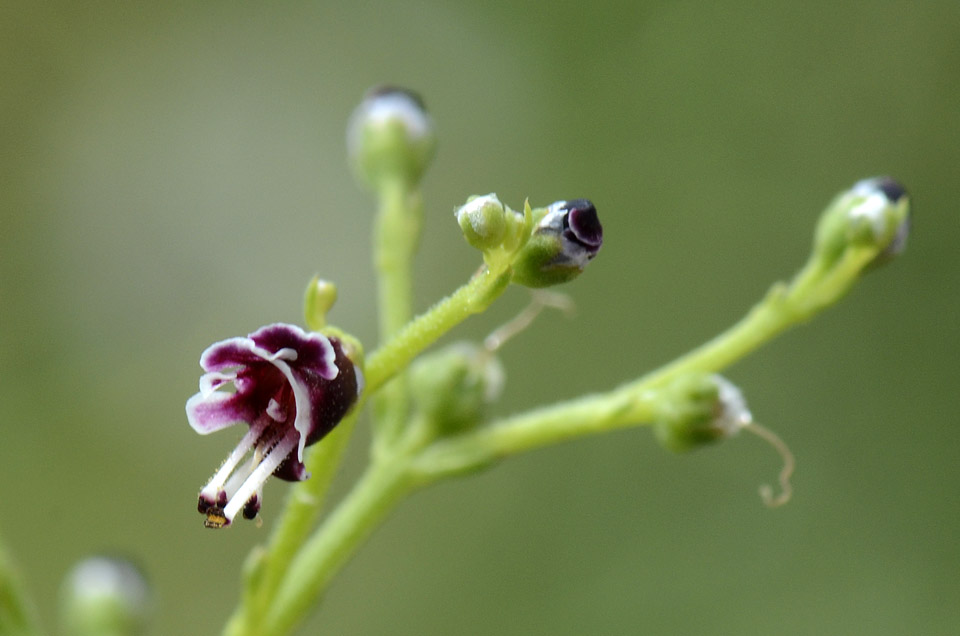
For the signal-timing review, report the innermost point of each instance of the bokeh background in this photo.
(173, 174)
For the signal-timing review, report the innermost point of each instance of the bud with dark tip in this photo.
(390, 137)
(874, 213)
(566, 237)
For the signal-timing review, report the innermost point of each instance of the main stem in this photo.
(303, 507)
(375, 495)
(397, 233)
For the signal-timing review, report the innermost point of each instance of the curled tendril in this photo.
(786, 490)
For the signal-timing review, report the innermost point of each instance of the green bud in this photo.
(698, 409)
(452, 387)
(390, 137)
(566, 237)
(104, 596)
(483, 220)
(873, 213)
(318, 299)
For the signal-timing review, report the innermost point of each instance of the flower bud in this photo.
(318, 299)
(452, 386)
(483, 221)
(873, 213)
(566, 237)
(105, 596)
(698, 409)
(390, 137)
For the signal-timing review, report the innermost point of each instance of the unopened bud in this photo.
(390, 137)
(453, 386)
(698, 409)
(105, 596)
(483, 221)
(318, 299)
(874, 213)
(566, 237)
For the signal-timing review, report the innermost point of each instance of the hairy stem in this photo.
(397, 234)
(424, 330)
(303, 507)
(375, 495)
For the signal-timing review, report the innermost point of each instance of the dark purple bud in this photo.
(566, 238)
(582, 225)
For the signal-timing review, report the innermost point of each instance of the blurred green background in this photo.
(173, 174)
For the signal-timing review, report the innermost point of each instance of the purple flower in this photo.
(291, 389)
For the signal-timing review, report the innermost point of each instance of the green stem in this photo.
(397, 234)
(632, 404)
(16, 614)
(587, 415)
(812, 290)
(784, 306)
(293, 526)
(471, 298)
(375, 495)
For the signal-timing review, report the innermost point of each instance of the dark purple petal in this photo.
(218, 410)
(329, 399)
(291, 469)
(234, 352)
(313, 349)
(583, 225)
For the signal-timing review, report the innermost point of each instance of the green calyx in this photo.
(540, 263)
(452, 387)
(698, 409)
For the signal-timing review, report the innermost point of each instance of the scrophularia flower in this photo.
(291, 388)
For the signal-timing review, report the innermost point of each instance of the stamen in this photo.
(239, 476)
(252, 508)
(209, 493)
(253, 484)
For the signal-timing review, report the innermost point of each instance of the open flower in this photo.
(291, 389)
